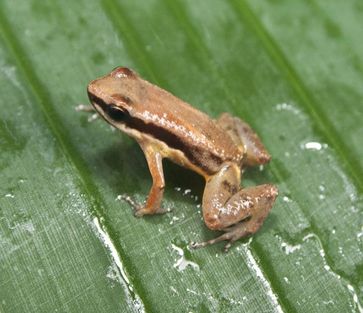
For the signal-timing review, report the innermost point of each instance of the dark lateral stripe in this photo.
(194, 153)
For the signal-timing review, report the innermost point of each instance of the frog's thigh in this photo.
(243, 134)
(154, 161)
(218, 189)
(225, 204)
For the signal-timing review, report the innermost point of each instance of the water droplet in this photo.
(252, 263)
(286, 199)
(287, 107)
(112, 273)
(182, 263)
(328, 302)
(322, 191)
(192, 291)
(174, 290)
(288, 249)
(117, 263)
(29, 226)
(174, 219)
(187, 191)
(355, 297)
(314, 145)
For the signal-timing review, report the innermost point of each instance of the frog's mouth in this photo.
(99, 105)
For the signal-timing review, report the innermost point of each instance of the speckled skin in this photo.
(167, 127)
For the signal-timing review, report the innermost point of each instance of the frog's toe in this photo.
(141, 211)
(227, 246)
(197, 245)
(231, 235)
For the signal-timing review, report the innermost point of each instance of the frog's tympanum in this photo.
(167, 127)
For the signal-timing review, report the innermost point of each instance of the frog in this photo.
(219, 150)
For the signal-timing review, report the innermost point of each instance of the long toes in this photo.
(232, 234)
(197, 245)
(137, 208)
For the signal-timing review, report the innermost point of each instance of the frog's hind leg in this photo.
(237, 212)
(243, 135)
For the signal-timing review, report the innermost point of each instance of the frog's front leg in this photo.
(154, 161)
(237, 212)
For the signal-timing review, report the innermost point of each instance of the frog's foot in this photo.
(154, 161)
(140, 209)
(239, 214)
(231, 234)
(88, 109)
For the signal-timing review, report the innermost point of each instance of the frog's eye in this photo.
(116, 113)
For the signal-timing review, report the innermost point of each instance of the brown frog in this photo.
(167, 127)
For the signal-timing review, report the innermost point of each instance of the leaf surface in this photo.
(292, 70)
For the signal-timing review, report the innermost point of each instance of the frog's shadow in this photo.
(127, 160)
(125, 170)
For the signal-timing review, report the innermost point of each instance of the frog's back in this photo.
(181, 126)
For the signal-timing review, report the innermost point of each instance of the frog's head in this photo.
(111, 95)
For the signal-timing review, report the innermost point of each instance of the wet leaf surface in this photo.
(292, 70)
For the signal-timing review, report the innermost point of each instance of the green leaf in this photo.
(292, 69)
